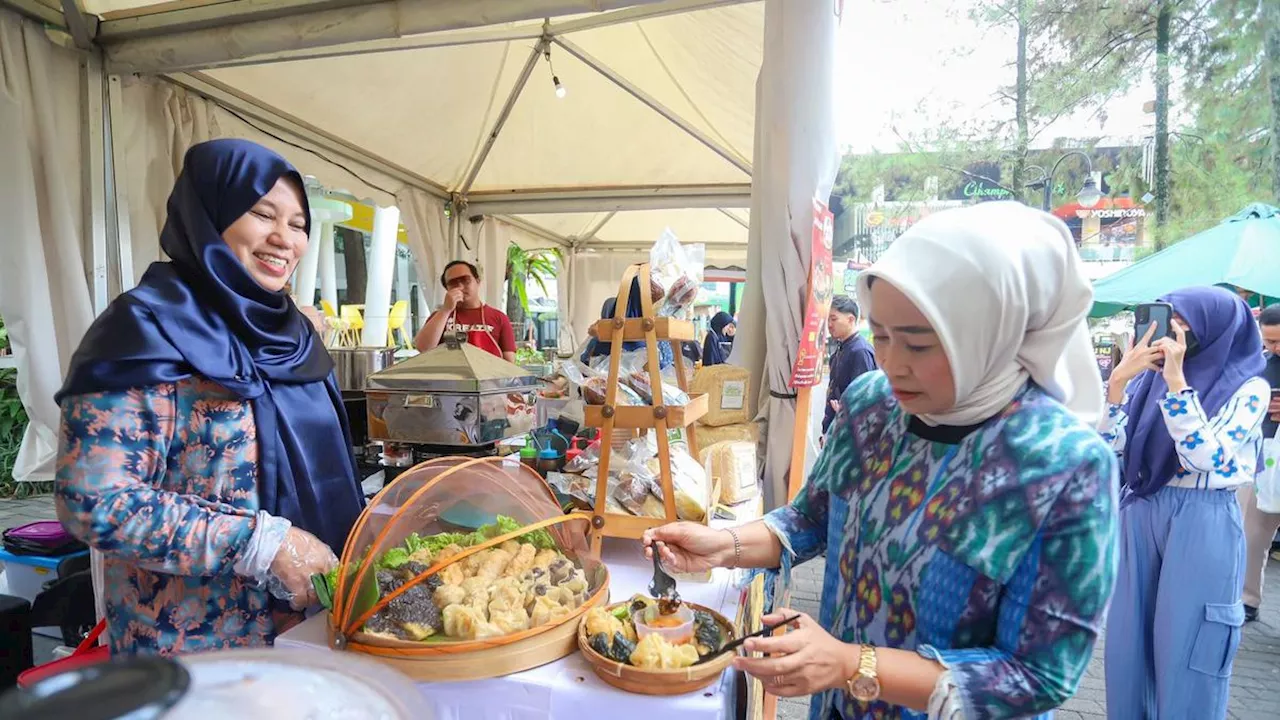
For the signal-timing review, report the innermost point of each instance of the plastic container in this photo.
(529, 456)
(549, 461)
(27, 574)
(676, 634)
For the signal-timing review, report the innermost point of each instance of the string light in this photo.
(555, 79)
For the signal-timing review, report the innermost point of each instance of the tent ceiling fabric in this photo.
(431, 110)
(436, 106)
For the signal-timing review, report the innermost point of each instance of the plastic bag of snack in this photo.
(689, 478)
(679, 268)
(594, 386)
(634, 372)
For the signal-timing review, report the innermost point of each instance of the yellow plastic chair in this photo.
(353, 323)
(327, 309)
(395, 324)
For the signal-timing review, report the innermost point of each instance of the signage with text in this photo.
(813, 336)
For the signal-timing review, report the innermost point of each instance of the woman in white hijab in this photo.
(964, 504)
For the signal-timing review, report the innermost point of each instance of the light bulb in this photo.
(560, 91)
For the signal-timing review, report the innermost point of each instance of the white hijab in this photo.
(1001, 284)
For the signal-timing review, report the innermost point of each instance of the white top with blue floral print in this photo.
(1216, 453)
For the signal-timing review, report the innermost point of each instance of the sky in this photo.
(939, 60)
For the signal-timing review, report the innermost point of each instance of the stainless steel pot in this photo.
(354, 365)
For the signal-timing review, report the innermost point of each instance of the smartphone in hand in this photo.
(1159, 314)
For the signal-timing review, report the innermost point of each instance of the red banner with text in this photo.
(807, 370)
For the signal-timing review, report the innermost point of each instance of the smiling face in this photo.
(271, 237)
(910, 352)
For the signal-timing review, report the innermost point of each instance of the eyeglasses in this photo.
(460, 281)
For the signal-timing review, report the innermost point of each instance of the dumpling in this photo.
(505, 594)
(544, 558)
(510, 621)
(472, 563)
(546, 610)
(464, 623)
(494, 565)
(600, 620)
(521, 562)
(447, 595)
(654, 652)
(475, 584)
(511, 546)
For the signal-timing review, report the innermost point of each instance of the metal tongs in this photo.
(663, 586)
(734, 645)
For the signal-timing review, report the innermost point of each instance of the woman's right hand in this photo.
(1141, 356)
(688, 547)
(300, 556)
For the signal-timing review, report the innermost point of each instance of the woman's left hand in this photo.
(1174, 350)
(805, 660)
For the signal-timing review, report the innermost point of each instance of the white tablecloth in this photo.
(567, 689)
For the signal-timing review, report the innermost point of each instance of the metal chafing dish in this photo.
(455, 395)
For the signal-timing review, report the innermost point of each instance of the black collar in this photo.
(945, 434)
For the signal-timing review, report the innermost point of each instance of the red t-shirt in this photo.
(487, 328)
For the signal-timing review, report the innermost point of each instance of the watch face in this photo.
(864, 688)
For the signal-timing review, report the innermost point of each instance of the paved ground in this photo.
(1255, 683)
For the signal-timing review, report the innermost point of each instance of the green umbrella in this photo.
(1244, 251)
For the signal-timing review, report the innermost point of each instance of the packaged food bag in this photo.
(726, 388)
(734, 465)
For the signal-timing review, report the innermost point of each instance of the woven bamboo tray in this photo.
(479, 659)
(658, 682)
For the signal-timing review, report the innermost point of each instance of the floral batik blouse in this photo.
(990, 549)
(1213, 453)
(163, 480)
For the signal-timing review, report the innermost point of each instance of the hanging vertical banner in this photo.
(813, 338)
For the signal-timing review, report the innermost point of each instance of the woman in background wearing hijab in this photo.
(719, 341)
(963, 502)
(1185, 414)
(204, 449)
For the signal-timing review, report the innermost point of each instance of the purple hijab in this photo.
(1229, 354)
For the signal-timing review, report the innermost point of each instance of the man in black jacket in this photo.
(852, 358)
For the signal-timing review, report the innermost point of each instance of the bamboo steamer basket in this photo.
(657, 682)
(447, 661)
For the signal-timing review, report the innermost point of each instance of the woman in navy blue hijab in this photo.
(204, 448)
(719, 340)
(1185, 414)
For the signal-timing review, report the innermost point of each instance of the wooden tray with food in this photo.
(636, 647)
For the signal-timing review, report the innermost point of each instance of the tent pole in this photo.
(93, 144)
(732, 157)
(124, 234)
(595, 230)
(535, 230)
(507, 107)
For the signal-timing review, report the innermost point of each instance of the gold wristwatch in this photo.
(864, 686)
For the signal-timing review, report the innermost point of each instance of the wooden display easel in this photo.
(658, 416)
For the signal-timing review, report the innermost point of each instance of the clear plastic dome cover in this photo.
(459, 554)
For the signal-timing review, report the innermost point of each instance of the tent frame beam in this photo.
(251, 107)
(510, 104)
(450, 38)
(82, 27)
(659, 197)
(653, 104)
(539, 232)
(37, 11)
(194, 37)
(735, 218)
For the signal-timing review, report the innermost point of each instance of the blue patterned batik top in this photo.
(994, 556)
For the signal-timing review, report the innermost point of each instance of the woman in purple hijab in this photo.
(1185, 415)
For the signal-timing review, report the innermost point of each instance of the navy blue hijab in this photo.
(202, 314)
(1227, 354)
(716, 346)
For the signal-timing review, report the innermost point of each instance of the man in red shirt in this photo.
(487, 328)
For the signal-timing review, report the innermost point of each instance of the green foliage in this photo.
(523, 266)
(13, 423)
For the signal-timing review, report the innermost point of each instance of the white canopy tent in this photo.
(449, 109)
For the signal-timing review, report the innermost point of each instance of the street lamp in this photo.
(1089, 195)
